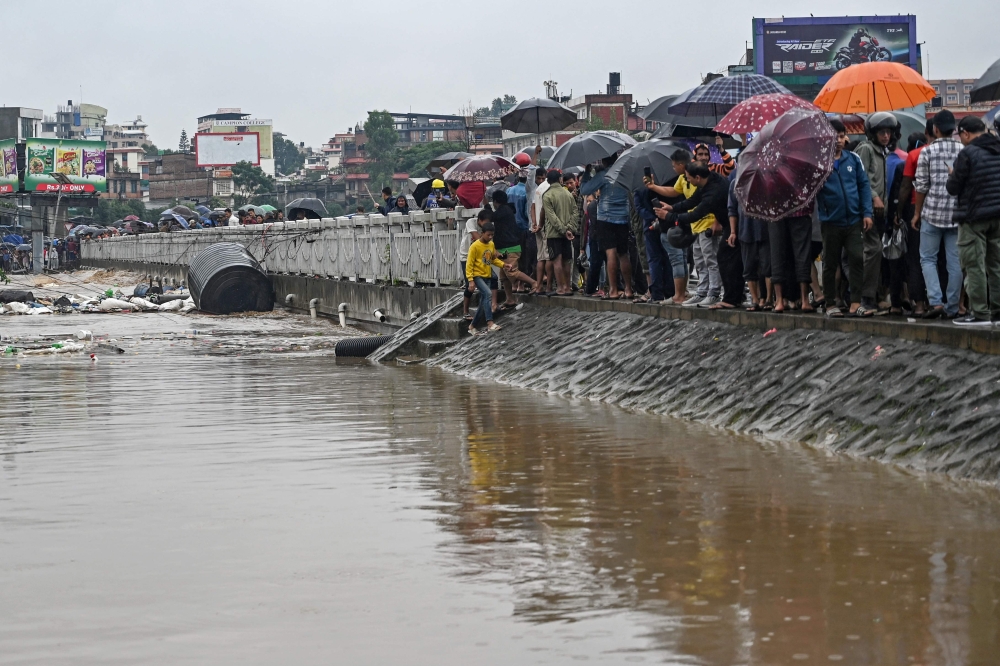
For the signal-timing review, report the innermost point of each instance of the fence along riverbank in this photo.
(417, 248)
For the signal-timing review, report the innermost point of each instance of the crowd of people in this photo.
(902, 226)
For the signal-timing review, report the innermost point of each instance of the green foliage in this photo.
(287, 158)
(152, 150)
(184, 145)
(496, 107)
(336, 210)
(380, 146)
(595, 124)
(414, 160)
(249, 182)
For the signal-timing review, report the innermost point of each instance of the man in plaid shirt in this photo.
(933, 215)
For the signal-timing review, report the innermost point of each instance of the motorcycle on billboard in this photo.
(859, 50)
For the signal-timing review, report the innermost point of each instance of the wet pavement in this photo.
(168, 505)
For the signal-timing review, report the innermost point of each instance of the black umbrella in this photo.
(446, 160)
(629, 169)
(536, 116)
(987, 87)
(657, 111)
(313, 209)
(586, 148)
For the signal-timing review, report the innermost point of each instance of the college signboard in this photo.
(8, 166)
(819, 47)
(65, 165)
(217, 150)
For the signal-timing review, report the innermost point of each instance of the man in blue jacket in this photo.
(845, 212)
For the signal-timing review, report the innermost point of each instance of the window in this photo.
(951, 88)
(438, 135)
(135, 186)
(952, 99)
(968, 100)
(968, 87)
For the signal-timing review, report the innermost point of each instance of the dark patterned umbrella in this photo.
(784, 167)
(447, 160)
(536, 116)
(718, 97)
(485, 168)
(752, 114)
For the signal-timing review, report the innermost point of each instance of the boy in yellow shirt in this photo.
(478, 270)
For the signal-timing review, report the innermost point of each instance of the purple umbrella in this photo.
(784, 167)
(481, 168)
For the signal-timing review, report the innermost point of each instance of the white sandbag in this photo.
(188, 305)
(109, 304)
(144, 305)
(18, 308)
(57, 348)
(171, 306)
(39, 311)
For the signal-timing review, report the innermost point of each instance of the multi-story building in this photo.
(79, 121)
(130, 134)
(485, 135)
(954, 93)
(230, 120)
(415, 128)
(176, 177)
(334, 148)
(20, 123)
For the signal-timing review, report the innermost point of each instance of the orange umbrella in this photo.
(874, 86)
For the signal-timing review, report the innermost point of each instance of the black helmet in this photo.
(680, 236)
(882, 120)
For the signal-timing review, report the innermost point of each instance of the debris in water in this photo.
(771, 332)
(878, 352)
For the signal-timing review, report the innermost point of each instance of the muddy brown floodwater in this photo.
(170, 506)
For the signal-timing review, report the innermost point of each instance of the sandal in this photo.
(834, 313)
(641, 299)
(862, 311)
(722, 305)
(467, 317)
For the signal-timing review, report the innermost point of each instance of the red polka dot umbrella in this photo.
(753, 113)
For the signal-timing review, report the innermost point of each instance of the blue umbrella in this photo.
(718, 97)
(181, 221)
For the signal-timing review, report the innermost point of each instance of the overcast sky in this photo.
(317, 67)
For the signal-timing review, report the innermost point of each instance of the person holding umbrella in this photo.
(612, 225)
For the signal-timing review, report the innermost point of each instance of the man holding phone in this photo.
(646, 202)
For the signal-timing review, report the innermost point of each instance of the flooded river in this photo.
(178, 505)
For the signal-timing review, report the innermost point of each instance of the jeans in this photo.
(836, 239)
(979, 248)
(485, 301)
(706, 262)
(677, 258)
(661, 286)
(930, 243)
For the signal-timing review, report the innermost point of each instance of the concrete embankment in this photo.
(924, 406)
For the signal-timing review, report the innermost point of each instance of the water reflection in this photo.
(601, 533)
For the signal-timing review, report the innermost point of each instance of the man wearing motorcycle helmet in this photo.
(883, 131)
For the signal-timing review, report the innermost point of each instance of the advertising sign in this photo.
(822, 46)
(215, 150)
(8, 166)
(65, 165)
(258, 125)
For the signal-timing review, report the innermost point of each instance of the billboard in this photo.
(215, 150)
(819, 47)
(260, 126)
(65, 165)
(8, 166)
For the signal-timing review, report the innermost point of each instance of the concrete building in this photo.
(485, 137)
(79, 121)
(334, 148)
(228, 120)
(415, 128)
(955, 94)
(176, 177)
(20, 123)
(130, 134)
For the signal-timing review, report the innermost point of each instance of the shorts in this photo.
(612, 237)
(543, 247)
(560, 247)
(513, 258)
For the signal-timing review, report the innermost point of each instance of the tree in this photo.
(184, 145)
(151, 150)
(287, 158)
(380, 146)
(249, 182)
(414, 160)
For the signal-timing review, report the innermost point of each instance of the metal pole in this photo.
(37, 238)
